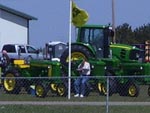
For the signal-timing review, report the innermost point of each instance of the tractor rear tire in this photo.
(11, 84)
(77, 52)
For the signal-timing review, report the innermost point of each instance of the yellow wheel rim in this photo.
(76, 56)
(100, 87)
(61, 90)
(132, 90)
(104, 90)
(53, 86)
(9, 83)
(39, 90)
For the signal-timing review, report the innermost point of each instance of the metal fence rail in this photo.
(107, 91)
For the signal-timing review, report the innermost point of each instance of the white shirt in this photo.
(85, 68)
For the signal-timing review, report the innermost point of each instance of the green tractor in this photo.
(132, 63)
(42, 74)
(93, 43)
(19, 74)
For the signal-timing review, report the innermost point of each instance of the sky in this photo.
(53, 16)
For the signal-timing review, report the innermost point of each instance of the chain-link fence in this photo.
(105, 94)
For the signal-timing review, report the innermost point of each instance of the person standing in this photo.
(81, 82)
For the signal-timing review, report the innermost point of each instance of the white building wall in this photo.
(13, 29)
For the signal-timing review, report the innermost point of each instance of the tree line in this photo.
(126, 35)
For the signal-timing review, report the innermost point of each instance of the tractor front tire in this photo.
(133, 90)
(129, 89)
(102, 89)
(53, 87)
(40, 90)
(148, 91)
(61, 90)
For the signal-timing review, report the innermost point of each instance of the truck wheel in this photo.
(77, 52)
(40, 90)
(61, 90)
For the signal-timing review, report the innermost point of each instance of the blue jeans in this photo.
(80, 84)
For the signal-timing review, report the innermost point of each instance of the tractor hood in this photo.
(125, 53)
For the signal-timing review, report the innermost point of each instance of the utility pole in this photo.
(113, 21)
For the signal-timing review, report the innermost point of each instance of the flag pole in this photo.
(69, 63)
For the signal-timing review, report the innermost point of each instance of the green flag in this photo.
(79, 16)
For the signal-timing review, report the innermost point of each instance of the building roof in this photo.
(18, 13)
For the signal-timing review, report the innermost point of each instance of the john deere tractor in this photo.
(93, 43)
(42, 75)
(107, 61)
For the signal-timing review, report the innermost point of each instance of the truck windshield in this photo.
(31, 49)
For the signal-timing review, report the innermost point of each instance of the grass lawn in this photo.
(72, 109)
(93, 97)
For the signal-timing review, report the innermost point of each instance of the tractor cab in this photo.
(98, 38)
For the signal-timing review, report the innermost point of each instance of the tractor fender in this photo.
(88, 46)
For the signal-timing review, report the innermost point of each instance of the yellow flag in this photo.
(79, 16)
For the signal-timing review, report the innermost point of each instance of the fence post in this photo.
(0, 76)
(107, 95)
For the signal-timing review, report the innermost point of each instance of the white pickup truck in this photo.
(20, 51)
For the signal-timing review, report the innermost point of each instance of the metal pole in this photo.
(107, 97)
(69, 63)
(113, 20)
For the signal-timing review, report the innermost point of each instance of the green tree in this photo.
(124, 34)
(142, 33)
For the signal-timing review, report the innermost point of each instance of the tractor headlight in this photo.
(141, 68)
(92, 66)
